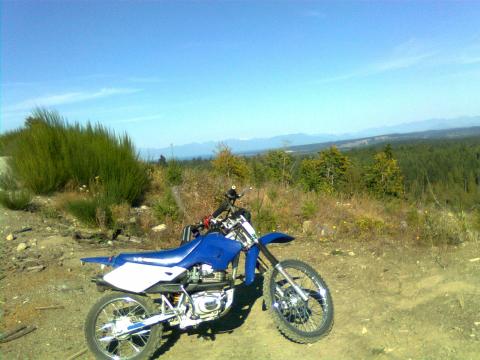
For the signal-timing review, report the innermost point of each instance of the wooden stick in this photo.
(51, 307)
(25, 229)
(19, 334)
(11, 332)
(77, 354)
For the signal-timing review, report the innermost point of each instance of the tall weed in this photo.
(48, 154)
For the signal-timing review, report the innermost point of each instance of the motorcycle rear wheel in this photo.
(117, 309)
(299, 321)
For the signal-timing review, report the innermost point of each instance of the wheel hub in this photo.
(121, 326)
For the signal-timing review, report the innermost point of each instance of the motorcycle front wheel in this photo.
(300, 321)
(109, 317)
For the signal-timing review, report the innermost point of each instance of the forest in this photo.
(441, 171)
(429, 187)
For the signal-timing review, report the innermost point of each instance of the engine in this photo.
(204, 273)
(208, 302)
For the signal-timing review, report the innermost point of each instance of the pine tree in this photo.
(384, 177)
(279, 164)
(327, 172)
(229, 165)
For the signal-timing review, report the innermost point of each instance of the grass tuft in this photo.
(90, 211)
(166, 207)
(15, 199)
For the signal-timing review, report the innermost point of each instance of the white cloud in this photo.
(145, 79)
(314, 14)
(136, 119)
(470, 55)
(402, 56)
(405, 55)
(68, 98)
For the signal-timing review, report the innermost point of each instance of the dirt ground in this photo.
(391, 301)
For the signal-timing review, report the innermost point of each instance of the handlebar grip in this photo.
(220, 209)
(232, 194)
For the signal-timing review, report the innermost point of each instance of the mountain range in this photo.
(293, 141)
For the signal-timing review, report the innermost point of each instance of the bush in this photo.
(166, 207)
(229, 165)
(174, 173)
(8, 182)
(265, 220)
(279, 165)
(90, 211)
(48, 153)
(384, 177)
(443, 227)
(15, 199)
(325, 173)
(309, 209)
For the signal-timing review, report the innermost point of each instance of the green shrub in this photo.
(50, 212)
(443, 227)
(265, 220)
(91, 211)
(174, 173)
(309, 208)
(227, 164)
(369, 227)
(166, 207)
(15, 199)
(279, 164)
(384, 177)
(48, 153)
(8, 182)
(325, 173)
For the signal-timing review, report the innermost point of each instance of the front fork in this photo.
(277, 265)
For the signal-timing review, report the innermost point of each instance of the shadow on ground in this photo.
(245, 297)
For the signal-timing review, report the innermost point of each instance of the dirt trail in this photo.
(391, 302)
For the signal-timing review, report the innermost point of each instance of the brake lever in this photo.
(244, 191)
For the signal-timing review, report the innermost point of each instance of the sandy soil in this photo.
(391, 301)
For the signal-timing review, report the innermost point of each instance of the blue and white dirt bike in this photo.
(196, 282)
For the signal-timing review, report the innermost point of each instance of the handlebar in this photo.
(231, 195)
(223, 206)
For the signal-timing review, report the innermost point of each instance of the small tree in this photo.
(327, 172)
(384, 176)
(162, 161)
(258, 171)
(279, 166)
(229, 165)
(174, 173)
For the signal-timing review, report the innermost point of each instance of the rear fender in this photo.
(103, 260)
(252, 253)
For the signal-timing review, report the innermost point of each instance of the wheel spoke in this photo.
(305, 316)
(134, 347)
(110, 330)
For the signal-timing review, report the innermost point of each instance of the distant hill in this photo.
(296, 141)
(389, 138)
(239, 146)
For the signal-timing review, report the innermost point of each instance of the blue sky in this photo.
(181, 72)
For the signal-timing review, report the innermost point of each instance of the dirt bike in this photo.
(196, 282)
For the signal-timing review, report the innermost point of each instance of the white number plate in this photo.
(249, 228)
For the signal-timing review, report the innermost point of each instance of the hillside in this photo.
(408, 261)
(316, 141)
(456, 133)
(392, 300)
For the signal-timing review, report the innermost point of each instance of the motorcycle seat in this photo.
(162, 258)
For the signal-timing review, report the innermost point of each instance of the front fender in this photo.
(252, 253)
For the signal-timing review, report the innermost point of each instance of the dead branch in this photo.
(51, 307)
(77, 354)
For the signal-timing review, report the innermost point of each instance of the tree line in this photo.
(445, 171)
